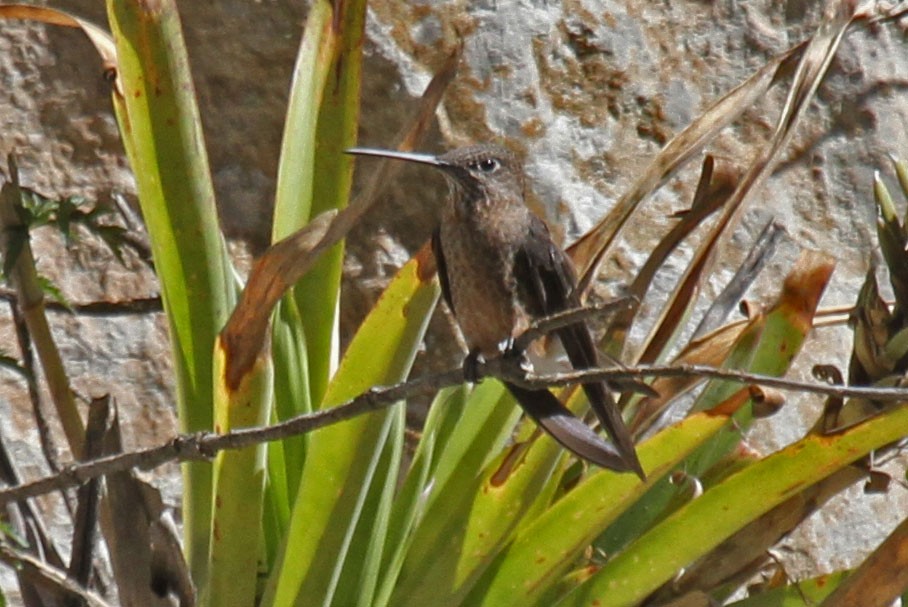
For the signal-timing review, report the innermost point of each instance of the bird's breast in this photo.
(482, 287)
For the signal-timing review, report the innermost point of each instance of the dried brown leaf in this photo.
(766, 401)
(86, 520)
(814, 61)
(590, 249)
(101, 39)
(711, 350)
(717, 182)
(146, 567)
(285, 262)
(880, 579)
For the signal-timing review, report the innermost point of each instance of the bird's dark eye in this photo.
(487, 165)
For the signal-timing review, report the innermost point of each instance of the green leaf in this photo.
(805, 593)
(162, 134)
(292, 205)
(476, 510)
(237, 542)
(342, 460)
(358, 582)
(67, 209)
(291, 390)
(37, 210)
(545, 548)
(410, 503)
(338, 120)
(478, 496)
(53, 291)
(665, 495)
(295, 174)
(727, 507)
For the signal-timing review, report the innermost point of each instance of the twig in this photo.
(704, 371)
(204, 445)
(544, 326)
(126, 307)
(85, 520)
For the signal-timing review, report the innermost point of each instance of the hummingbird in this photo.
(499, 270)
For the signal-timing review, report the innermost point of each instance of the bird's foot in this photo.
(516, 358)
(512, 361)
(471, 366)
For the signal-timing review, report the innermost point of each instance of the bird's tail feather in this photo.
(569, 431)
(581, 350)
(606, 410)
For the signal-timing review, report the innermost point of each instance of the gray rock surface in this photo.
(591, 90)
(588, 89)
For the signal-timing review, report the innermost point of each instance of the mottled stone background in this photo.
(589, 90)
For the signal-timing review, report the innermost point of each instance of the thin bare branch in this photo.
(707, 372)
(204, 445)
(45, 437)
(544, 326)
(126, 307)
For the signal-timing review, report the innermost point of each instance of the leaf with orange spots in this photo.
(722, 510)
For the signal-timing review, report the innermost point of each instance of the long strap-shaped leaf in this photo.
(341, 459)
(545, 548)
(162, 134)
(724, 509)
(811, 69)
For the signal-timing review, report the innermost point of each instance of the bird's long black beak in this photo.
(407, 156)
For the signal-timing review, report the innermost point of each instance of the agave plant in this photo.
(486, 510)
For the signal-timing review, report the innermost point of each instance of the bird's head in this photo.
(478, 174)
(483, 174)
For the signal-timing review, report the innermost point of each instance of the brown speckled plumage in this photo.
(499, 269)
